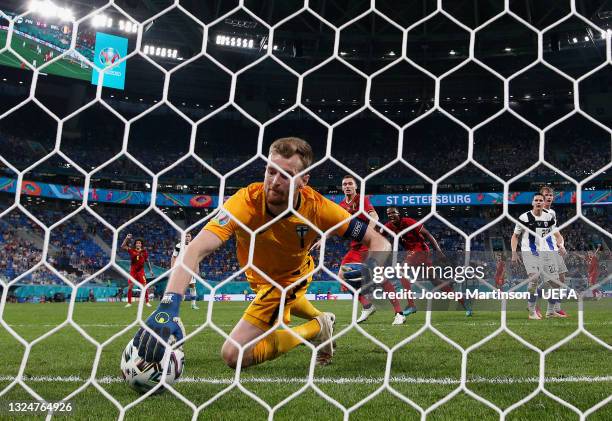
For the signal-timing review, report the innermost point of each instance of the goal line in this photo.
(332, 380)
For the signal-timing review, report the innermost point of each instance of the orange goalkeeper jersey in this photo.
(281, 250)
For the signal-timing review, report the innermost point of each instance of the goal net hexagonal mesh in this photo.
(416, 101)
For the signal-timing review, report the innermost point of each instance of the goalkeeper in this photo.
(281, 251)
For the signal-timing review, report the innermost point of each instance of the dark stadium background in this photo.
(435, 145)
(494, 364)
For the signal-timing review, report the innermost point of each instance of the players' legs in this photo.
(554, 305)
(143, 289)
(533, 280)
(368, 308)
(533, 267)
(410, 307)
(389, 287)
(304, 309)
(300, 306)
(242, 333)
(550, 264)
(262, 315)
(365, 302)
(550, 308)
(356, 257)
(399, 318)
(592, 278)
(267, 348)
(130, 292)
(413, 260)
(558, 302)
(194, 295)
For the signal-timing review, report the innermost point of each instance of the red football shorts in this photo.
(139, 276)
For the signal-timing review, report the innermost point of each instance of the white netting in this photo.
(439, 10)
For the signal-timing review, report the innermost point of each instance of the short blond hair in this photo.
(290, 146)
(547, 188)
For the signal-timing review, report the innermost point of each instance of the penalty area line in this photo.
(331, 380)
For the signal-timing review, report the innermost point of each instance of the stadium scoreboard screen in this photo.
(38, 42)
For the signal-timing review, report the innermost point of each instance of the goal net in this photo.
(124, 119)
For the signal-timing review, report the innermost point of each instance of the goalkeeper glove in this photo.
(361, 274)
(355, 274)
(165, 322)
(352, 271)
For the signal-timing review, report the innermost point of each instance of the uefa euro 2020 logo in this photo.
(108, 56)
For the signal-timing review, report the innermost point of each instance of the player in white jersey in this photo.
(537, 251)
(192, 284)
(549, 197)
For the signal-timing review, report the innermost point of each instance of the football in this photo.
(390, 210)
(143, 376)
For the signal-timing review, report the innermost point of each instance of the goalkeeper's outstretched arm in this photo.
(379, 251)
(375, 241)
(204, 244)
(373, 218)
(165, 321)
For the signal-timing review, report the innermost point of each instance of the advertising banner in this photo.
(109, 50)
(143, 198)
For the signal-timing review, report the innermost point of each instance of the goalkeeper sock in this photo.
(283, 341)
(408, 287)
(388, 286)
(304, 309)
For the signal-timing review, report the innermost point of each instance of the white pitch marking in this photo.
(105, 325)
(333, 380)
(378, 327)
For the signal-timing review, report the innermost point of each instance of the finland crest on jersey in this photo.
(542, 226)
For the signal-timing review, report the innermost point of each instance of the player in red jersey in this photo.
(500, 271)
(592, 262)
(358, 252)
(397, 224)
(138, 257)
(414, 242)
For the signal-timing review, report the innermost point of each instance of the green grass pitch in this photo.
(425, 370)
(60, 68)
